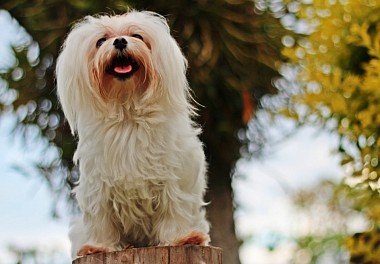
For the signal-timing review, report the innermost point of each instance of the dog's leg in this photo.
(78, 235)
(91, 238)
(88, 249)
(175, 234)
(183, 226)
(193, 238)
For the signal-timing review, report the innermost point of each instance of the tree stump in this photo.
(188, 254)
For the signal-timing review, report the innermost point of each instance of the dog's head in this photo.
(120, 60)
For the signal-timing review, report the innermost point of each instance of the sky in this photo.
(261, 189)
(25, 203)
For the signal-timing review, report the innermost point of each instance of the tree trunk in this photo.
(220, 214)
(188, 254)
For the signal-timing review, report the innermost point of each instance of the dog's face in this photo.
(121, 53)
(116, 59)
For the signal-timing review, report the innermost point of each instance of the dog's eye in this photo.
(138, 36)
(100, 42)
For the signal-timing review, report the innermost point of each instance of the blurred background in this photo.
(291, 111)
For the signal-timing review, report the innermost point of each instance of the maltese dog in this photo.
(121, 81)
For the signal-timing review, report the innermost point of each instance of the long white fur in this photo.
(142, 166)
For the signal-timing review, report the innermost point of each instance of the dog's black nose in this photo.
(120, 43)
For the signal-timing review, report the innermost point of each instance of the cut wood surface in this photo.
(188, 254)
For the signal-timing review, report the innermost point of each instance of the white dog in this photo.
(122, 85)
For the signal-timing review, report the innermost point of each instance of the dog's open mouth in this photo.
(122, 67)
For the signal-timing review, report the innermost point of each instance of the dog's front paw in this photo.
(87, 250)
(193, 238)
(128, 246)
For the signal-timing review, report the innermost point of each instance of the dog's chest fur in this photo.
(131, 173)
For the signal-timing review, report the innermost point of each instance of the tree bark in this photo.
(188, 254)
(220, 214)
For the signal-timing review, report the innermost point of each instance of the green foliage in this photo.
(339, 64)
(313, 248)
(365, 247)
(330, 210)
(327, 209)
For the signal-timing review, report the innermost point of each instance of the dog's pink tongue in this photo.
(123, 69)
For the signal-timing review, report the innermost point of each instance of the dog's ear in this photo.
(70, 74)
(176, 81)
(66, 89)
(172, 66)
